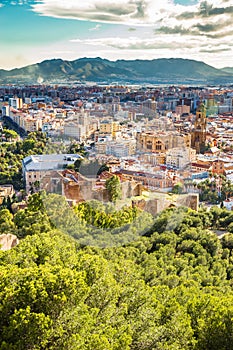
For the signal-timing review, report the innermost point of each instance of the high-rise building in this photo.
(16, 102)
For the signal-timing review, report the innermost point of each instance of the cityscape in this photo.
(158, 136)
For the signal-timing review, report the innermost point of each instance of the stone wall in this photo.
(8, 241)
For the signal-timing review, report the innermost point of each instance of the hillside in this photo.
(174, 70)
(170, 289)
(228, 70)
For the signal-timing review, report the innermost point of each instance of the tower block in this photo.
(198, 137)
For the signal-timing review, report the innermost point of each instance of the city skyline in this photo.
(33, 31)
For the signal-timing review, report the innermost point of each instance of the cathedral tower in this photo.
(198, 137)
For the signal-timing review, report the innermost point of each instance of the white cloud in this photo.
(138, 12)
(206, 18)
(97, 27)
(202, 30)
(155, 43)
(135, 43)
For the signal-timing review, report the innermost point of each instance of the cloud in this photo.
(97, 27)
(160, 14)
(215, 50)
(164, 46)
(122, 11)
(134, 43)
(206, 9)
(203, 25)
(208, 29)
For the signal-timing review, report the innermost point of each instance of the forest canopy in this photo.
(170, 288)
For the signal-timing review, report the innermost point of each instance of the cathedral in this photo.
(198, 136)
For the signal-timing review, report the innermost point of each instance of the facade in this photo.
(180, 157)
(218, 167)
(161, 142)
(31, 124)
(109, 127)
(149, 180)
(228, 203)
(182, 109)
(74, 130)
(16, 102)
(6, 191)
(121, 148)
(153, 158)
(149, 107)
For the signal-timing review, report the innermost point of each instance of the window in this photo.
(149, 145)
(158, 146)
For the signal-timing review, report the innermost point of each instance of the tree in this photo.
(10, 134)
(178, 188)
(103, 168)
(6, 222)
(113, 187)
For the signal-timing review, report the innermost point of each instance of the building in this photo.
(153, 158)
(37, 168)
(5, 192)
(109, 127)
(218, 167)
(149, 107)
(74, 130)
(16, 102)
(180, 157)
(198, 138)
(161, 141)
(121, 148)
(182, 109)
(228, 203)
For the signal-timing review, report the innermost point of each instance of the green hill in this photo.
(228, 70)
(174, 70)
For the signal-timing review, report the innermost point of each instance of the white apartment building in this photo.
(121, 148)
(16, 102)
(74, 130)
(180, 157)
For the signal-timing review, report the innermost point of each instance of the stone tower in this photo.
(198, 137)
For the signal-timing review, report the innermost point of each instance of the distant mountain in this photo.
(227, 70)
(174, 70)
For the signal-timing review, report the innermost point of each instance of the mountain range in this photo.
(173, 70)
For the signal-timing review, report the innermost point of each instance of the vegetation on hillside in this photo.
(170, 289)
(12, 154)
(97, 69)
(215, 190)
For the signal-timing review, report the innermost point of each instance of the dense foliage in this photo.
(215, 189)
(170, 289)
(113, 187)
(12, 153)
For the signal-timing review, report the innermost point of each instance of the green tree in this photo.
(178, 188)
(113, 187)
(10, 134)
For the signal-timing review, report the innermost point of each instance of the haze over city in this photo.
(33, 31)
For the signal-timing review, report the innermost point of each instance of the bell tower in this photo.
(198, 137)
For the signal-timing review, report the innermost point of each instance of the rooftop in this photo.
(43, 162)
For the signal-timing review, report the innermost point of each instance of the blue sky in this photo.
(32, 31)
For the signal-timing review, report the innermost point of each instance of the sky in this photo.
(36, 30)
